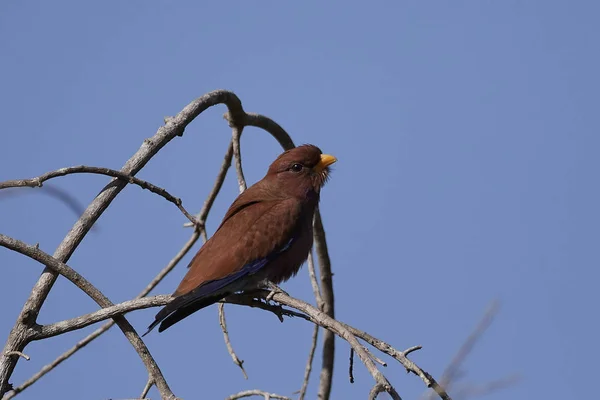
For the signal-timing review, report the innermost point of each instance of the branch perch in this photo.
(83, 169)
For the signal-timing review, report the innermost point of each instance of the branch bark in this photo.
(83, 169)
(201, 218)
(89, 289)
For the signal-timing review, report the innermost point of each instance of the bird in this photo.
(263, 239)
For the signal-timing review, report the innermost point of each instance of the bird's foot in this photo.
(274, 290)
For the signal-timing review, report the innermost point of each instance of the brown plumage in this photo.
(265, 235)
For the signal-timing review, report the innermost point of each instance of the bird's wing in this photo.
(244, 243)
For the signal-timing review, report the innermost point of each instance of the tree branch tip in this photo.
(410, 350)
(18, 354)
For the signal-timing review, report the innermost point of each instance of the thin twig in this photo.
(340, 330)
(19, 354)
(73, 324)
(250, 393)
(451, 371)
(83, 169)
(234, 357)
(375, 358)
(470, 342)
(410, 350)
(309, 362)
(351, 365)
(203, 214)
(487, 388)
(314, 282)
(378, 388)
(410, 366)
(49, 367)
(236, 135)
(147, 388)
(328, 305)
(235, 145)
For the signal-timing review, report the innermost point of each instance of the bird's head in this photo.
(301, 170)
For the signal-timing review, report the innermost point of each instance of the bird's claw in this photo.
(274, 290)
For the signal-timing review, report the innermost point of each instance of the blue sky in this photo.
(467, 139)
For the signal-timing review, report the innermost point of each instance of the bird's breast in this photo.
(288, 262)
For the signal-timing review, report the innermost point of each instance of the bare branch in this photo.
(328, 305)
(278, 310)
(49, 367)
(313, 281)
(410, 350)
(19, 354)
(79, 281)
(451, 371)
(73, 324)
(236, 135)
(250, 393)
(308, 369)
(375, 358)
(203, 214)
(266, 123)
(380, 388)
(147, 388)
(410, 366)
(83, 169)
(339, 329)
(470, 391)
(351, 365)
(175, 126)
(234, 357)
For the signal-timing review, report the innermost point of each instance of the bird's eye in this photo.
(296, 167)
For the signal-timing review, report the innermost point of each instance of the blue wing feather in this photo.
(249, 269)
(203, 296)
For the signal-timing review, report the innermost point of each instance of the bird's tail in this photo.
(179, 308)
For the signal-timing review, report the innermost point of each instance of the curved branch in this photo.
(173, 127)
(308, 368)
(234, 357)
(17, 339)
(236, 135)
(89, 289)
(250, 393)
(83, 169)
(73, 324)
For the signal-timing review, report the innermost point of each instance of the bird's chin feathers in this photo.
(319, 179)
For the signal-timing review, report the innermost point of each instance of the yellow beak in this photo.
(326, 161)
